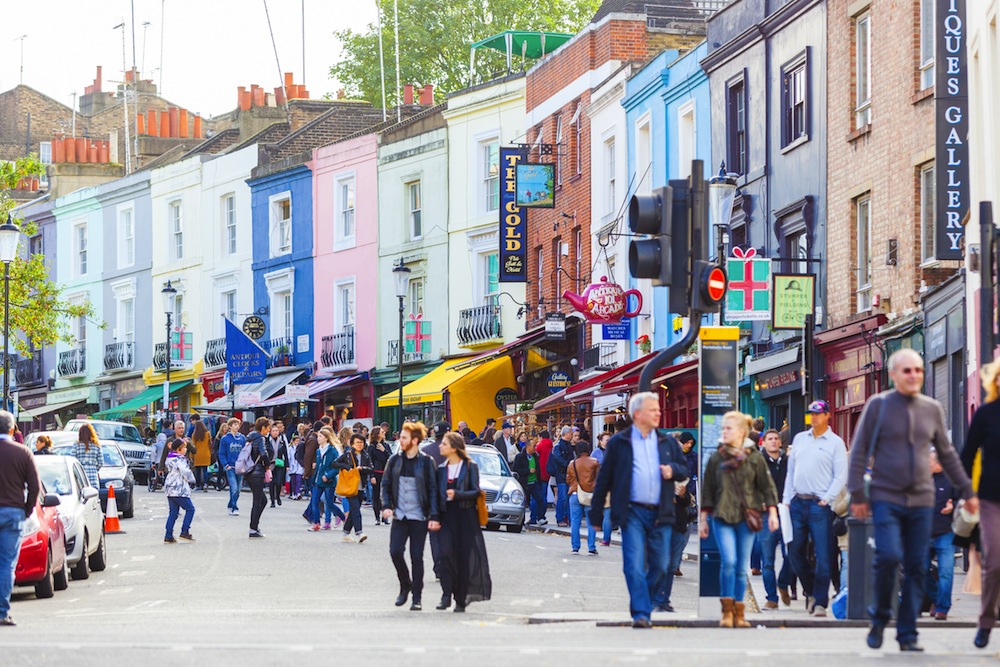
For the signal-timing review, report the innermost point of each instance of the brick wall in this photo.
(47, 117)
(883, 159)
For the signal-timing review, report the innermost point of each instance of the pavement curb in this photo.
(615, 540)
(788, 623)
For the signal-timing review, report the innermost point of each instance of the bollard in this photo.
(860, 564)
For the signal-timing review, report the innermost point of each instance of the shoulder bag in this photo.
(753, 517)
(481, 510)
(349, 481)
(583, 497)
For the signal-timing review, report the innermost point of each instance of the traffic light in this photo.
(708, 287)
(651, 215)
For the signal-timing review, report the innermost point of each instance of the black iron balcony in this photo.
(282, 351)
(215, 353)
(73, 363)
(478, 325)
(338, 349)
(408, 357)
(600, 357)
(119, 356)
(29, 370)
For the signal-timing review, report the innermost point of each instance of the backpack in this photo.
(245, 462)
(300, 453)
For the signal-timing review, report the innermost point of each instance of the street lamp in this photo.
(401, 274)
(9, 236)
(721, 195)
(169, 300)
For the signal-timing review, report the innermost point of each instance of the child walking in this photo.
(178, 488)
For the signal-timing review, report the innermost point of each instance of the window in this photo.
(559, 149)
(281, 224)
(928, 250)
(644, 156)
(863, 71)
(286, 316)
(126, 238)
(36, 245)
(490, 161)
(578, 124)
(794, 103)
(736, 127)
(126, 321)
(539, 279)
(80, 239)
(610, 261)
(864, 253)
(174, 219)
(926, 44)
(345, 306)
(229, 220)
(491, 282)
(81, 332)
(610, 166)
(345, 210)
(797, 248)
(178, 321)
(415, 296)
(45, 152)
(229, 305)
(413, 200)
(686, 138)
(579, 253)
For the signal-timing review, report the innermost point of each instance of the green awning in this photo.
(524, 43)
(151, 395)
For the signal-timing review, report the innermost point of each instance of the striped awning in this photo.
(315, 388)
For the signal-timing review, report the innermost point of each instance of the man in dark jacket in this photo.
(19, 489)
(410, 499)
(640, 469)
(946, 498)
(777, 465)
(309, 466)
(529, 474)
(559, 460)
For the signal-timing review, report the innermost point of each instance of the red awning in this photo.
(631, 381)
(583, 392)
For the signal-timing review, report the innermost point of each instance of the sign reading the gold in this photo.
(513, 221)
(794, 296)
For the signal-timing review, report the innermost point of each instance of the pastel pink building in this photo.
(345, 219)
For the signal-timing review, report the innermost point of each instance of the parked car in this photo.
(114, 473)
(42, 560)
(504, 494)
(137, 453)
(80, 512)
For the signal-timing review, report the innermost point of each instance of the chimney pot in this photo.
(408, 94)
(97, 81)
(427, 96)
(182, 123)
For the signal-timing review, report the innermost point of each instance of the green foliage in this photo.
(434, 40)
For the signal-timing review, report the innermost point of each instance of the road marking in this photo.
(648, 651)
(526, 603)
(114, 591)
(531, 651)
(415, 649)
(115, 566)
(565, 575)
(73, 600)
(540, 547)
(142, 558)
(134, 573)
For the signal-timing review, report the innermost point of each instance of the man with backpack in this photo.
(229, 451)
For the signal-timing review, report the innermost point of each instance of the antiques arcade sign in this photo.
(951, 105)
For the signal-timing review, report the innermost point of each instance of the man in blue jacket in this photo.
(229, 450)
(562, 453)
(639, 470)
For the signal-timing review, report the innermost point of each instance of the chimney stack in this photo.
(408, 94)
(427, 96)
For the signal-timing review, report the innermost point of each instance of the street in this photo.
(308, 598)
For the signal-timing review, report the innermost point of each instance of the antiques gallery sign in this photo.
(951, 104)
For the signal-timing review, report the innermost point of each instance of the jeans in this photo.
(678, 540)
(646, 555)
(606, 527)
(769, 543)
(810, 519)
(536, 499)
(178, 503)
(735, 542)
(901, 536)
(11, 519)
(562, 503)
(354, 516)
(329, 500)
(235, 483)
(200, 476)
(943, 548)
(416, 533)
(576, 515)
(259, 500)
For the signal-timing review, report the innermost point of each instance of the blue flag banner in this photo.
(246, 361)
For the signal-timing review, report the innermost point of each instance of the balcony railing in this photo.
(408, 357)
(478, 325)
(73, 363)
(338, 349)
(119, 356)
(600, 357)
(29, 370)
(215, 353)
(282, 351)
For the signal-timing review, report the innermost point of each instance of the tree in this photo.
(37, 309)
(434, 41)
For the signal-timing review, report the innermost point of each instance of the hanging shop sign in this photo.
(951, 105)
(794, 300)
(246, 361)
(604, 302)
(513, 221)
(749, 287)
(615, 331)
(504, 396)
(555, 326)
(254, 327)
(557, 381)
(536, 185)
(297, 392)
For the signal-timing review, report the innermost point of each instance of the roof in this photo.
(662, 13)
(530, 44)
(216, 143)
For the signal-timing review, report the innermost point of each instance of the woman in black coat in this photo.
(355, 456)
(465, 570)
(379, 452)
(262, 454)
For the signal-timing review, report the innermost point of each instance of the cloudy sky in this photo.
(210, 47)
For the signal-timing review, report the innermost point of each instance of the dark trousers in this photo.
(277, 484)
(200, 476)
(377, 497)
(537, 500)
(354, 515)
(416, 533)
(458, 531)
(810, 519)
(901, 537)
(436, 557)
(259, 499)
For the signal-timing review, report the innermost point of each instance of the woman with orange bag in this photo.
(355, 465)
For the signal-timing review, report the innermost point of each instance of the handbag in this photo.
(753, 517)
(349, 481)
(583, 497)
(484, 514)
(964, 522)
(268, 476)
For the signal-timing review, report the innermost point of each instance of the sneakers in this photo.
(542, 522)
(272, 505)
(349, 538)
(361, 537)
(563, 524)
(940, 616)
(605, 543)
(810, 604)
(256, 533)
(642, 624)
(770, 605)
(187, 536)
(576, 552)
(446, 602)
(7, 620)
(234, 512)
(875, 635)
(326, 526)
(592, 553)
(169, 540)
(819, 611)
(678, 573)
(337, 521)
(313, 528)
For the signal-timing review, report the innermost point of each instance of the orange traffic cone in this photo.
(111, 524)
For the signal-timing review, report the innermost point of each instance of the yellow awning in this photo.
(429, 388)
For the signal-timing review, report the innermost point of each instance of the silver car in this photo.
(504, 495)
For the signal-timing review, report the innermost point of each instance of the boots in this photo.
(738, 620)
(727, 613)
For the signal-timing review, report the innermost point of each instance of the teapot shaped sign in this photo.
(604, 302)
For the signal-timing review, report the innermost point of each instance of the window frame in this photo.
(348, 285)
(863, 255)
(490, 198)
(610, 169)
(126, 324)
(791, 133)
(490, 288)
(280, 227)
(862, 107)
(229, 230)
(175, 223)
(344, 241)
(684, 157)
(229, 312)
(80, 248)
(415, 295)
(578, 248)
(926, 213)
(927, 46)
(540, 278)
(559, 151)
(737, 137)
(578, 124)
(126, 236)
(644, 149)
(413, 223)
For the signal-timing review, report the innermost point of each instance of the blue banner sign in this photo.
(246, 361)
(615, 331)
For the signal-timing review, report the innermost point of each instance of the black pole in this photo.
(663, 357)
(6, 335)
(166, 392)
(987, 240)
(399, 350)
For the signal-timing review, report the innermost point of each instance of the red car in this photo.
(42, 560)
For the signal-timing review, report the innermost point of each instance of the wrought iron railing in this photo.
(408, 357)
(338, 349)
(119, 356)
(478, 325)
(600, 357)
(29, 370)
(215, 353)
(73, 363)
(282, 351)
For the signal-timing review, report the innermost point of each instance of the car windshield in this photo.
(490, 464)
(55, 476)
(120, 432)
(112, 456)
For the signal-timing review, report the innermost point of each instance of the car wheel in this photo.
(61, 578)
(80, 570)
(492, 526)
(47, 586)
(517, 528)
(99, 559)
(129, 511)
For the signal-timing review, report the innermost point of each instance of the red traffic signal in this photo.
(716, 284)
(708, 287)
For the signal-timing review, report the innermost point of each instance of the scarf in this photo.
(734, 456)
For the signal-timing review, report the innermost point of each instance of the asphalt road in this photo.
(299, 598)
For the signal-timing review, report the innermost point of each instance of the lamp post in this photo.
(401, 274)
(721, 195)
(9, 236)
(169, 299)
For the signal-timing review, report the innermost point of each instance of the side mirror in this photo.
(51, 500)
(516, 476)
(90, 492)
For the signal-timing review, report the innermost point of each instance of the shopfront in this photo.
(944, 354)
(776, 381)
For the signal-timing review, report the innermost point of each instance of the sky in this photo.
(210, 47)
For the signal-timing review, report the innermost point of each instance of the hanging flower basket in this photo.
(645, 345)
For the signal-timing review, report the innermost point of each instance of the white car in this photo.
(79, 512)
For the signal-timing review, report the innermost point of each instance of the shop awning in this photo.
(527, 339)
(631, 381)
(268, 388)
(772, 361)
(132, 405)
(430, 388)
(584, 391)
(524, 43)
(315, 388)
(41, 410)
